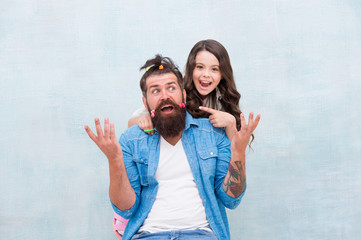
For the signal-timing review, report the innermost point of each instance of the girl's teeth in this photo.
(205, 84)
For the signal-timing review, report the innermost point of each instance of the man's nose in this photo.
(164, 94)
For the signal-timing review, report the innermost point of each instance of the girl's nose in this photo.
(205, 73)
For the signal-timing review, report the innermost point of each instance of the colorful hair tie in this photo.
(148, 68)
(160, 67)
(182, 105)
(152, 113)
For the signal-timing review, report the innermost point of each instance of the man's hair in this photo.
(156, 66)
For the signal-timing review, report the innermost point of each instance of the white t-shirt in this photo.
(178, 205)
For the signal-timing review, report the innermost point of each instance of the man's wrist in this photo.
(115, 161)
(231, 122)
(238, 154)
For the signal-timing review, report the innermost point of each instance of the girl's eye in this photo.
(215, 69)
(199, 67)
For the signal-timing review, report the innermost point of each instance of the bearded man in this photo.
(176, 183)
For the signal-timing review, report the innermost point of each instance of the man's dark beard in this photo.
(169, 125)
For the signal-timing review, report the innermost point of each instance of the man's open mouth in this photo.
(167, 108)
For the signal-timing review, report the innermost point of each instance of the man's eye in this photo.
(155, 91)
(172, 88)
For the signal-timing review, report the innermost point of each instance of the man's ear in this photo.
(145, 103)
(184, 96)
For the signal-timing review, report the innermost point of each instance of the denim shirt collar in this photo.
(190, 121)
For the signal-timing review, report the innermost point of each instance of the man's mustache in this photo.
(166, 102)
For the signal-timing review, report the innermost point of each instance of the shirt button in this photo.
(211, 153)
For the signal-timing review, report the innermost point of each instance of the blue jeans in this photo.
(177, 235)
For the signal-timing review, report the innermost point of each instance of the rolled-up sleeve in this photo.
(127, 213)
(133, 177)
(228, 201)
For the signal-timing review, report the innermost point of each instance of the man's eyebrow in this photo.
(157, 85)
(153, 86)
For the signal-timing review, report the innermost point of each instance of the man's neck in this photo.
(173, 140)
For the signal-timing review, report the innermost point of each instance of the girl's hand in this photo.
(146, 124)
(107, 141)
(219, 118)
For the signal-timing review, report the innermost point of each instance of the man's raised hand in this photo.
(107, 141)
(241, 138)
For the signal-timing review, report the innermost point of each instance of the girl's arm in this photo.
(144, 121)
(221, 119)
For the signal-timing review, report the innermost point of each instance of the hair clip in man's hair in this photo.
(148, 68)
(160, 67)
(182, 105)
(152, 113)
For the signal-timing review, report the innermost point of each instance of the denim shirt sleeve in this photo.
(133, 177)
(224, 157)
(126, 213)
(229, 201)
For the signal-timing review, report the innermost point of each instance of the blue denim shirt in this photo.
(208, 152)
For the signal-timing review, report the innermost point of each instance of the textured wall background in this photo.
(296, 62)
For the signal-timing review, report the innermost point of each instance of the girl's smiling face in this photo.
(206, 73)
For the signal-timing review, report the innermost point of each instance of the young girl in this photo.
(209, 83)
(211, 93)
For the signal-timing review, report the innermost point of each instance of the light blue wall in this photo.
(298, 63)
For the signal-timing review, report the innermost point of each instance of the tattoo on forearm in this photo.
(235, 179)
